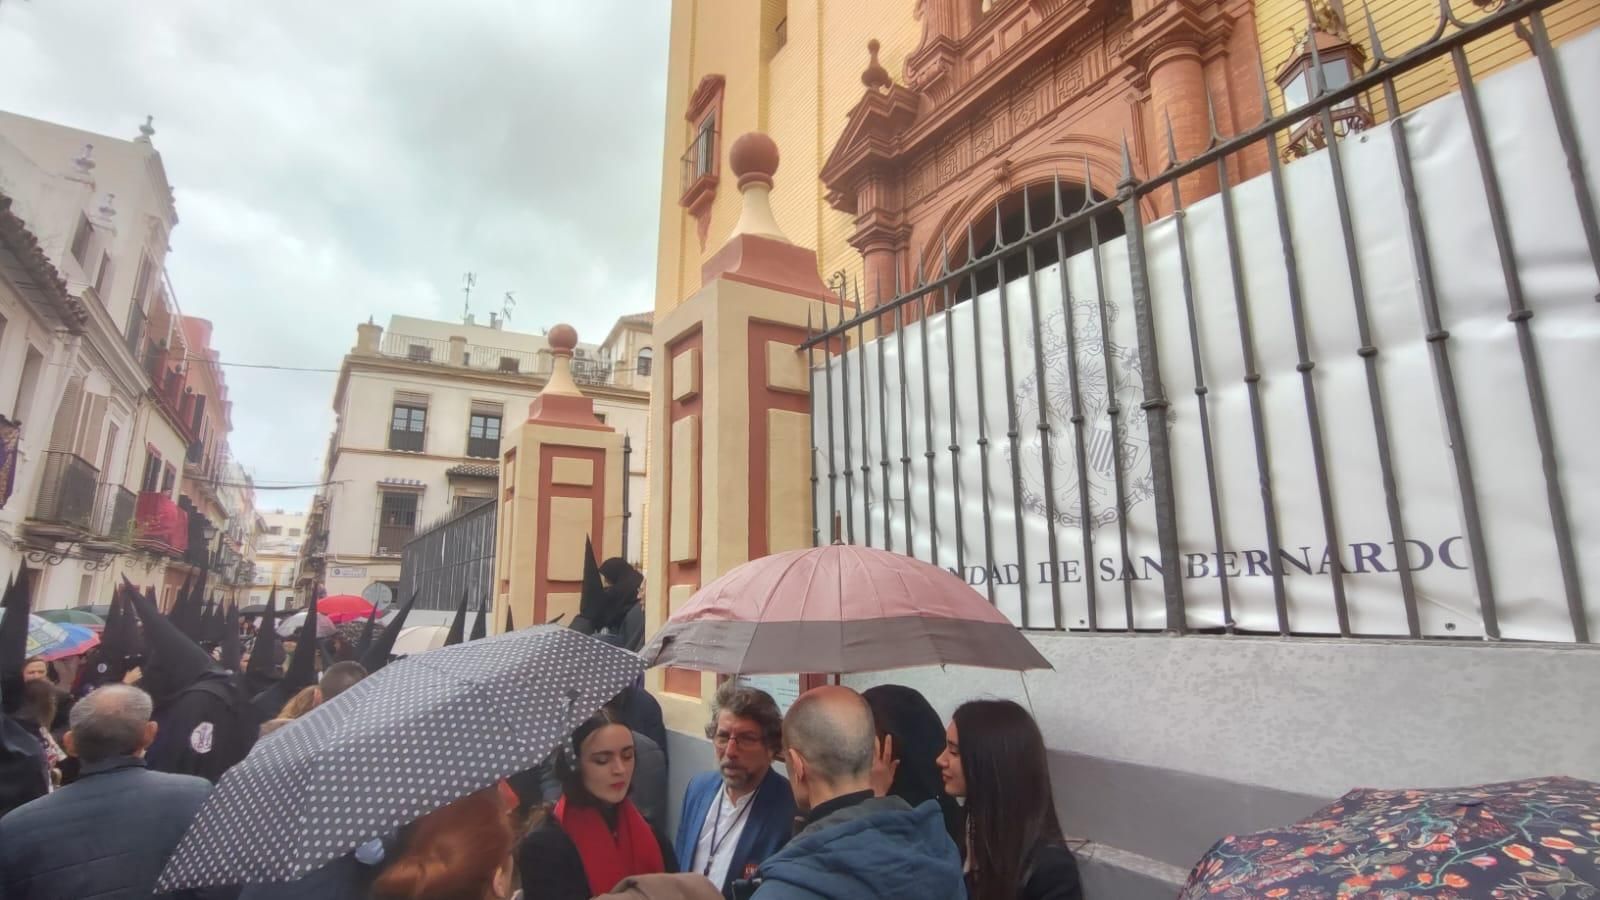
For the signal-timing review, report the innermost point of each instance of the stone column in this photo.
(1178, 92)
(730, 441)
(560, 483)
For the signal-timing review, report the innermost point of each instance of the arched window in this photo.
(646, 358)
(1042, 211)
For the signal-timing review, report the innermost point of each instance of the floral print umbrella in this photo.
(1512, 841)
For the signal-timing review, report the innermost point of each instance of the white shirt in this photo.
(725, 821)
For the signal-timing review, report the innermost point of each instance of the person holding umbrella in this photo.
(994, 758)
(593, 837)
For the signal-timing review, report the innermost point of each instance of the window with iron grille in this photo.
(397, 520)
(408, 427)
(464, 502)
(483, 436)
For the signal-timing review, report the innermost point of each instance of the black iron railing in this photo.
(67, 491)
(450, 558)
(1077, 493)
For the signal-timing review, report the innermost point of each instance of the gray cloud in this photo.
(335, 161)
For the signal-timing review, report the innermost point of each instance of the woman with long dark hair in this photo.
(994, 758)
(910, 739)
(593, 837)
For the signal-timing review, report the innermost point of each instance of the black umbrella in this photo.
(424, 732)
(376, 656)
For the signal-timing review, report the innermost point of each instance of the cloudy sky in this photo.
(334, 161)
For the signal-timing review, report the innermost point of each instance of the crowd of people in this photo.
(846, 796)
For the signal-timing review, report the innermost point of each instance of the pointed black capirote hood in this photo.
(219, 625)
(302, 671)
(197, 609)
(511, 624)
(264, 653)
(458, 625)
(480, 627)
(13, 642)
(232, 650)
(172, 662)
(131, 636)
(377, 656)
(208, 612)
(368, 629)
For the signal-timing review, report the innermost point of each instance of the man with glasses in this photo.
(736, 817)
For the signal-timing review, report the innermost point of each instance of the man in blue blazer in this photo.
(736, 817)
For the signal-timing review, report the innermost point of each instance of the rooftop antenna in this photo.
(468, 282)
(509, 304)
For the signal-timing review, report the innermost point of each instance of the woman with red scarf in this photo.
(594, 837)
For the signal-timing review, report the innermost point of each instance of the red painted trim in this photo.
(763, 399)
(681, 574)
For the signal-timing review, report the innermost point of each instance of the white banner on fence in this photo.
(1558, 278)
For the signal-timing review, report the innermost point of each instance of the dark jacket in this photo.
(104, 837)
(873, 849)
(552, 868)
(770, 824)
(1052, 875)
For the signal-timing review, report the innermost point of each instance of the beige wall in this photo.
(800, 94)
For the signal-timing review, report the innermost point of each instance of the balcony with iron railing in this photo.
(65, 508)
(588, 370)
(114, 509)
(162, 526)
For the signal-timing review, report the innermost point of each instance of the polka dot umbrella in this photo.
(420, 733)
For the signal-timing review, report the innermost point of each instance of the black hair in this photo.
(903, 714)
(567, 768)
(1010, 806)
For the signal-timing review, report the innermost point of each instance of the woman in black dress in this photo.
(994, 758)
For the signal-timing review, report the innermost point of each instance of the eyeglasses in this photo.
(742, 741)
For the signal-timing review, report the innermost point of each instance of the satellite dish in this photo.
(378, 594)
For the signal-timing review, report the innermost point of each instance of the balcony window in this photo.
(150, 481)
(169, 477)
(397, 520)
(645, 360)
(80, 242)
(407, 428)
(102, 275)
(483, 436)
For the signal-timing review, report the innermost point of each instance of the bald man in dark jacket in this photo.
(107, 835)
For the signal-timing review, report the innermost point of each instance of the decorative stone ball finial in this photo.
(753, 159)
(876, 77)
(563, 339)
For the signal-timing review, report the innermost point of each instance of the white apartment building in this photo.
(277, 549)
(96, 378)
(420, 410)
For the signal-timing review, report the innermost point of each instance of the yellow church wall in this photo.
(800, 93)
(1403, 25)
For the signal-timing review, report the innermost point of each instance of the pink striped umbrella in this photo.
(838, 609)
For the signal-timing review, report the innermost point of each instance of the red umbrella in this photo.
(342, 608)
(838, 609)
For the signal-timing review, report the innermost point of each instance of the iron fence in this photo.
(1268, 303)
(451, 558)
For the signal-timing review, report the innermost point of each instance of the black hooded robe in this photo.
(205, 729)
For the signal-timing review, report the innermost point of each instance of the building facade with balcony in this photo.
(421, 407)
(107, 397)
(277, 554)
